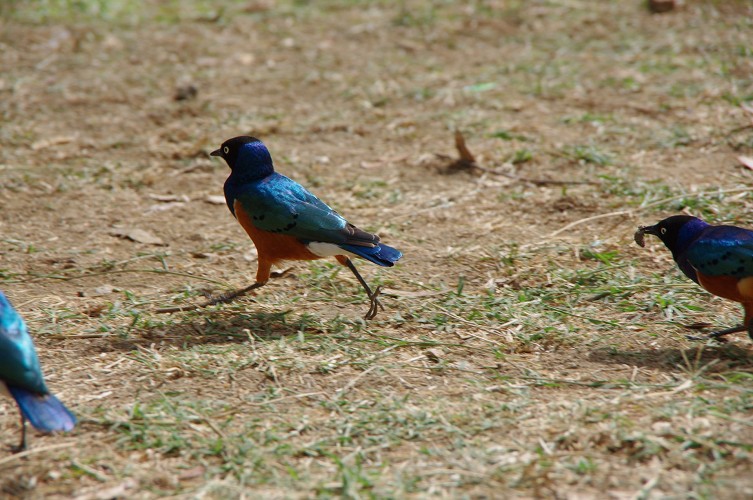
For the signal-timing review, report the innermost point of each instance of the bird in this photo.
(719, 258)
(21, 378)
(287, 222)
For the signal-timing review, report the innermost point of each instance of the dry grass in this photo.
(528, 347)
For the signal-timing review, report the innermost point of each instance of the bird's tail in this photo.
(46, 413)
(381, 255)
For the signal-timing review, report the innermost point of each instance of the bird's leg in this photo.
(262, 276)
(718, 336)
(263, 272)
(224, 298)
(748, 320)
(721, 333)
(373, 296)
(22, 445)
(230, 296)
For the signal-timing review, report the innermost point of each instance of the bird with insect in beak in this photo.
(717, 257)
(287, 222)
(21, 378)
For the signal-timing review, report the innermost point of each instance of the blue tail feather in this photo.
(381, 255)
(45, 412)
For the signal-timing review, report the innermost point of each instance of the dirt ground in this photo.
(528, 348)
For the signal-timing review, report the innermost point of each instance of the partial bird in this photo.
(717, 257)
(21, 378)
(287, 222)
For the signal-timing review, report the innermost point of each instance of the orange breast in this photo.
(272, 247)
(723, 286)
(729, 287)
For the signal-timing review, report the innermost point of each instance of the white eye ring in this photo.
(663, 230)
(226, 150)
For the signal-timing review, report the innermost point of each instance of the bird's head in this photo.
(670, 230)
(246, 156)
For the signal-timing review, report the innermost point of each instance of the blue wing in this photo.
(280, 205)
(19, 365)
(723, 251)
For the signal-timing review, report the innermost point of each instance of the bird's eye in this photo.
(663, 230)
(226, 150)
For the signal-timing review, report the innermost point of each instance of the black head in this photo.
(246, 155)
(668, 230)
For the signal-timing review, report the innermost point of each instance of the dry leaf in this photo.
(215, 199)
(164, 206)
(463, 151)
(94, 310)
(52, 141)
(118, 491)
(411, 294)
(193, 473)
(169, 197)
(747, 161)
(434, 355)
(138, 235)
(98, 291)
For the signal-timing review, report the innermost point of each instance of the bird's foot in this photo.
(22, 445)
(375, 304)
(18, 448)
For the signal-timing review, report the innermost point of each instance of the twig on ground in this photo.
(34, 451)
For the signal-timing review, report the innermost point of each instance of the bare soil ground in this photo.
(528, 348)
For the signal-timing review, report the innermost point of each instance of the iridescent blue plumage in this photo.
(278, 204)
(21, 374)
(719, 258)
(19, 365)
(286, 221)
(722, 251)
(281, 205)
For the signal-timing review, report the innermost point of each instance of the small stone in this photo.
(186, 92)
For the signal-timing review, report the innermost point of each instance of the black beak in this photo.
(643, 230)
(216, 152)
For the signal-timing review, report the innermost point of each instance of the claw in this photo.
(375, 305)
(22, 445)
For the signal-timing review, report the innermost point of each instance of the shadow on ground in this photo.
(709, 358)
(215, 327)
